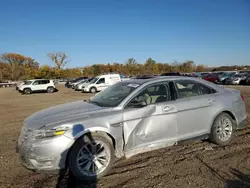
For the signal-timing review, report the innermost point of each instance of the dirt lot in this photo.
(192, 164)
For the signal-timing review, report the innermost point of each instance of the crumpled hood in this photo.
(60, 114)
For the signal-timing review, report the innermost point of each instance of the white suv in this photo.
(41, 85)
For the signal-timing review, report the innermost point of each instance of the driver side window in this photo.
(36, 83)
(151, 95)
(101, 81)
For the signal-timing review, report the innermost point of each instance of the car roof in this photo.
(160, 78)
(170, 78)
(36, 80)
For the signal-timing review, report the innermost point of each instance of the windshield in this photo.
(89, 80)
(238, 75)
(27, 82)
(94, 80)
(226, 74)
(77, 79)
(114, 95)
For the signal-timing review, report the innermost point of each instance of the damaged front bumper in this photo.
(44, 155)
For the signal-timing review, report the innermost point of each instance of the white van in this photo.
(101, 82)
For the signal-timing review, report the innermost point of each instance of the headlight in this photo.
(40, 134)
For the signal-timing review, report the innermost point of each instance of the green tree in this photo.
(96, 70)
(151, 67)
(131, 66)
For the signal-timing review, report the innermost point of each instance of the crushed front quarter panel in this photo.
(149, 128)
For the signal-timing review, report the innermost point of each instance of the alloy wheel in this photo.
(224, 129)
(93, 158)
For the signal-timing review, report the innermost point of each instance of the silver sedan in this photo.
(126, 119)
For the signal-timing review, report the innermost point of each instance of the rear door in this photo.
(152, 125)
(44, 84)
(195, 108)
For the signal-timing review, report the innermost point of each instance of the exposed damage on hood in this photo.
(61, 114)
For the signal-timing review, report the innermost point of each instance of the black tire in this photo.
(50, 90)
(93, 90)
(84, 141)
(27, 91)
(214, 135)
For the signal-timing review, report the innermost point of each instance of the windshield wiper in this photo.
(95, 102)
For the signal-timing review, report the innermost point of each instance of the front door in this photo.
(150, 120)
(195, 109)
(101, 84)
(37, 85)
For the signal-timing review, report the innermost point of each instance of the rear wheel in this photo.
(222, 129)
(27, 91)
(91, 156)
(50, 90)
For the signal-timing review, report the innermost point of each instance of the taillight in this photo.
(242, 97)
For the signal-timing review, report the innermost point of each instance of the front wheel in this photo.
(93, 90)
(222, 129)
(27, 91)
(91, 157)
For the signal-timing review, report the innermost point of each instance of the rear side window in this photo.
(186, 88)
(44, 81)
(205, 90)
(41, 82)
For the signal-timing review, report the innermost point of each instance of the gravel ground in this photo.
(191, 164)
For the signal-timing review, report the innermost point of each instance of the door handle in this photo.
(210, 101)
(168, 108)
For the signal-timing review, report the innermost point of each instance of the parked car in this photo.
(7, 84)
(69, 83)
(101, 82)
(236, 79)
(245, 81)
(38, 85)
(128, 118)
(144, 77)
(124, 77)
(220, 73)
(80, 86)
(223, 77)
(84, 79)
(198, 74)
(213, 77)
(171, 74)
(204, 74)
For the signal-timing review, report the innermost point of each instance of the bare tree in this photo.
(60, 59)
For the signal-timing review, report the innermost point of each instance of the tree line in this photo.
(15, 66)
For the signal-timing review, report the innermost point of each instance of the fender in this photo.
(117, 140)
(26, 88)
(22, 91)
